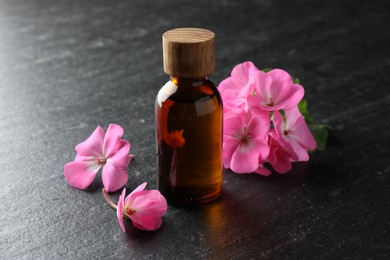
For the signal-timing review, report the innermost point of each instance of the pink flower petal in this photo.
(140, 187)
(262, 147)
(111, 142)
(228, 84)
(241, 73)
(130, 198)
(82, 158)
(113, 178)
(151, 200)
(80, 174)
(229, 146)
(291, 97)
(119, 209)
(146, 222)
(233, 123)
(286, 146)
(296, 95)
(300, 151)
(281, 81)
(254, 104)
(262, 171)
(234, 99)
(278, 123)
(121, 159)
(263, 84)
(244, 161)
(230, 98)
(93, 145)
(279, 158)
(259, 123)
(296, 122)
(292, 115)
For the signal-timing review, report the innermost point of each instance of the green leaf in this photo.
(320, 133)
(305, 111)
(296, 81)
(267, 69)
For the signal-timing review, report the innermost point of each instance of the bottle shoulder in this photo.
(186, 91)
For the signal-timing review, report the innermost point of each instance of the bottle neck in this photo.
(188, 81)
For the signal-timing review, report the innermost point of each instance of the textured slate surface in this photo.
(68, 66)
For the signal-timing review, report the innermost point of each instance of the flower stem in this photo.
(111, 203)
(108, 199)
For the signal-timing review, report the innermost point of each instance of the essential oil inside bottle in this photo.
(189, 120)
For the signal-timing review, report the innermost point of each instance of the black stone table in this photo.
(69, 66)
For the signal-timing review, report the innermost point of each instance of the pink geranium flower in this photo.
(293, 133)
(244, 141)
(100, 150)
(275, 90)
(144, 207)
(236, 88)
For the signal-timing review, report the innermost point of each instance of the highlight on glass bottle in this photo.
(188, 112)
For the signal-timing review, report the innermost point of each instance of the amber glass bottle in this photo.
(189, 120)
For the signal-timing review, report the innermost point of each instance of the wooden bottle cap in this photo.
(189, 52)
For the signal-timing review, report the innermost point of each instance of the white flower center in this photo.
(101, 161)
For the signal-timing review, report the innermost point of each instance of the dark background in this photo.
(68, 66)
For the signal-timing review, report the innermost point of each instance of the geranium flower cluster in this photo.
(262, 122)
